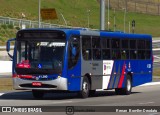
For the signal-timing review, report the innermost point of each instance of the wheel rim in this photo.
(85, 87)
(128, 85)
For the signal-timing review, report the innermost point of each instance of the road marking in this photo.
(146, 103)
(1, 94)
(62, 102)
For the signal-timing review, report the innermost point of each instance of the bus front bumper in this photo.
(56, 84)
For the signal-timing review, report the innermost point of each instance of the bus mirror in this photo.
(8, 46)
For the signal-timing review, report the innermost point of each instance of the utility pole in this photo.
(124, 20)
(102, 15)
(129, 27)
(114, 19)
(108, 15)
(88, 15)
(39, 13)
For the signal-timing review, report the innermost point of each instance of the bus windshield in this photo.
(39, 57)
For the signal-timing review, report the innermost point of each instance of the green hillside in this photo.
(75, 12)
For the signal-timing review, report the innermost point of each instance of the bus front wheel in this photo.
(84, 93)
(37, 94)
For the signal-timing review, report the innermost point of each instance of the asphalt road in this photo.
(141, 96)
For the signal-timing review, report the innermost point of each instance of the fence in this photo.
(156, 53)
(141, 6)
(28, 23)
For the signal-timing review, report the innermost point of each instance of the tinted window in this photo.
(96, 54)
(86, 47)
(148, 44)
(105, 43)
(96, 48)
(106, 54)
(124, 54)
(141, 44)
(74, 51)
(95, 42)
(115, 43)
(132, 44)
(133, 54)
(141, 54)
(116, 54)
(125, 43)
(148, 54)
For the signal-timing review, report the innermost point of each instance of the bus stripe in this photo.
(122, 77)
(112, 76)
(117, 77)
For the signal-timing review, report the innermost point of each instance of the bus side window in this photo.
(106, 54)
(73, 51)
(133, 54)
(115, 43)
(96, 47)
(86, 47)
(123, 54)
(148, 54)
(116, 54)
(96, 54)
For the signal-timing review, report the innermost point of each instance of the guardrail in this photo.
(27, 23)
(30, 23)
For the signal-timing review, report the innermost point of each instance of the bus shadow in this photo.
(27, 95)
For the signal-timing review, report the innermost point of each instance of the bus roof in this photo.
(85, 31)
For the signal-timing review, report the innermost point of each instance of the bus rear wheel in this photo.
(84, 93)
(128, 87)
(37, 94)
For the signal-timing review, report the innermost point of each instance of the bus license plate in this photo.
(36, 84)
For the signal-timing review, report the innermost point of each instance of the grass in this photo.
(75, 13)
(156, 72)
(6, 84)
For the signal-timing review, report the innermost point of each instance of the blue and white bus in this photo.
(80, 60)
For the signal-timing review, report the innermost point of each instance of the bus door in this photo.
(74, 64)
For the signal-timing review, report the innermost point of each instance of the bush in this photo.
(4, 26)
(2, 39)
(17, 28)
(10, 26)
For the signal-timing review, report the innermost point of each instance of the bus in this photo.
(80, 60)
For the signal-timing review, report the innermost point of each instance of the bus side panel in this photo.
(95, 70)
(118, 76)
(141, 73)
(74, 77)
(144, 73)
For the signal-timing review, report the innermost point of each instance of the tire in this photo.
(92, 92)
(37, 94)
(84, 93)
(128, 87)
(119, 91)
